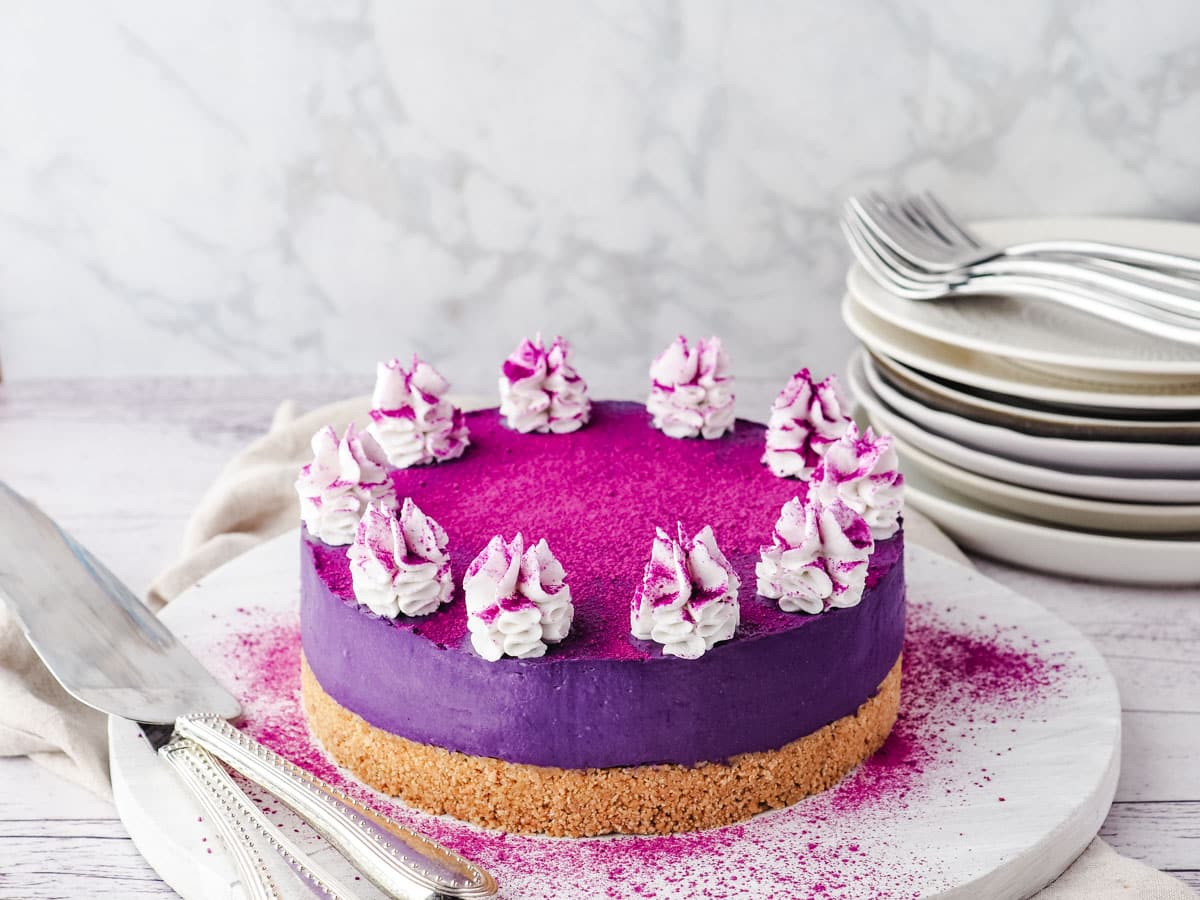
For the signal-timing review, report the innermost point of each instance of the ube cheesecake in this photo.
(574, 617)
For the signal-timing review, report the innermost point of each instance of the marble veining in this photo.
(273, 187)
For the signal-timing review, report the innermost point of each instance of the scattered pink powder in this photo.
(958, 684)
(948, 677)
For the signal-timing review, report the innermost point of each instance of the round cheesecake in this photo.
(604, 733)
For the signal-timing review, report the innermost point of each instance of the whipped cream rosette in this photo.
(806, 418)
(517, 600)
(412, 421)
(399, 564)
(691, 390)
(541, 391)
(862, 470)
(344, 476)
(818, 557)
(688, 597)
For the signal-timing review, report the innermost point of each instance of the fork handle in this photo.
(202, 775)
(245, 829)
(399, 861)
(1131, 313)
(1137, 256)
(1177, 296)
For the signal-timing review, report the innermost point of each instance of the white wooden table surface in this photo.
(121, 463)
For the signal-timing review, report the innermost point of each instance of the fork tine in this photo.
(920, 242)
(880, 219)
(949, 223)
(902, 223)
(866, 214)
(873, 266)
(899, 267)
(892, 272)
(911, 206)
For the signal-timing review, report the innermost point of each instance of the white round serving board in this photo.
(937, 829)
(1079, 388)
(1040, 331)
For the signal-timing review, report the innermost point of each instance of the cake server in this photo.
(111, 652)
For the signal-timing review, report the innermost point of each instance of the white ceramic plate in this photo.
(1042, 332)
(1058, 551)
(999, 375)
(1100, 487)
(1138, 460)
(1055, 509)
(956, 401)
(1051, 768)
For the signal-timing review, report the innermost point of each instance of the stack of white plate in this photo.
(1036, 434)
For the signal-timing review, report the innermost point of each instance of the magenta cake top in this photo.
(596, 496)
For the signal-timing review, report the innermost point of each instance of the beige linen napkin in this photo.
(252, 500)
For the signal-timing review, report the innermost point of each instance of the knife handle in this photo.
(402, 863)
(242, 825)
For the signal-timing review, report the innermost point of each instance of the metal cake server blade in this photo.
(102, 644)
(111, 652)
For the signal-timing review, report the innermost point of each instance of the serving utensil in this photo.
(109, 651)
(266, 858)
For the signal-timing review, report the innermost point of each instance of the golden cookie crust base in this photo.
(649, 799)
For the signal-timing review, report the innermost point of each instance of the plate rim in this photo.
(1011, 384)
(1096, 482)
(1084, 506)
(983, 517)
(1044, 445)
(1045, 416)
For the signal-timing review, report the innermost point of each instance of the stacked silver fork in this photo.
(916, 249)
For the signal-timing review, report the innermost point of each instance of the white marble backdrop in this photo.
(276, 187)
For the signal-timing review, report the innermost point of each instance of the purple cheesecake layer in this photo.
(601, 698)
